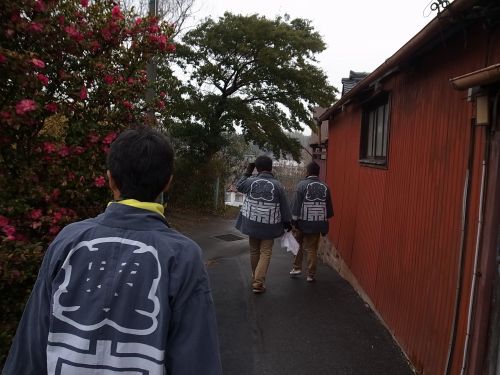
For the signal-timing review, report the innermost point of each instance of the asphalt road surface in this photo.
(296, 328)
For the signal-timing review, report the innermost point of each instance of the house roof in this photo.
(429, 34)
(349, 83)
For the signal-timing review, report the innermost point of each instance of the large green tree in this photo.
(249, 73)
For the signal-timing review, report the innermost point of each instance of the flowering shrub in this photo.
(73, 73)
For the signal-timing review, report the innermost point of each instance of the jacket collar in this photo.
(127, 216)
(150, 206)
(265, 173)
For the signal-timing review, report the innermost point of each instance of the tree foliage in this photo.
(73, 75)
(251, 73)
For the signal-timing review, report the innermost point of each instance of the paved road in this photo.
(295, 328)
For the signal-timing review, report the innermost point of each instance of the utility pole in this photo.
(151, 72)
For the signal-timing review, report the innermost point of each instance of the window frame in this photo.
(375, 128)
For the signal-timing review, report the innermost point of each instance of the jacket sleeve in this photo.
(297, 203)
(27, 354)
(286, 214)
(192, 344)
(243, 184)
(329, 205)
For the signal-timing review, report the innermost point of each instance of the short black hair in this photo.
(141, 161)
(312, 169)
(264, 163)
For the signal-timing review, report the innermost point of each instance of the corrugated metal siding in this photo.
(399, 229)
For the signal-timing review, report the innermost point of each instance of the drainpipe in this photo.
(151, 72)
(476, 273)
(478, 78)
(479, 234)
(461, 258)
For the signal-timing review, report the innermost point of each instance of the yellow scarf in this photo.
(150, 206)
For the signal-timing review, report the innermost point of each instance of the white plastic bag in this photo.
(289, 242)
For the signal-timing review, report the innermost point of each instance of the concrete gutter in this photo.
(426, 35)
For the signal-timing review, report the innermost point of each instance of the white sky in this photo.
(359, 34)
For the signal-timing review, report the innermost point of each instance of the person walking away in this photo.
(122, 292)
(311, 209)
(264, 215)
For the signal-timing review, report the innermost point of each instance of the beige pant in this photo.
(260, 256)
(309, 243)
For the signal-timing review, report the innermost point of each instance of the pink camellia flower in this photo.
(78, 150)
(95, 46)
(54, 229)
(40, 6)
(56, 193)
(110, 137)
(36, 214)
(10, 232)
(108, 79)
(56, 217)
(24, 106)
(43, 78)
(67, 211)
(171, 47)
(100, 181)
(130, 81)
(2, 59)
(127, 104)
(138, 21)
(116, 12)
(93, 138)
(64, 151)
(38, 63)
(15, 16)
(49, 147)
(153, 29)
(161, 40)
(74, 33)
(106, 34)
(161, 104)
(83, 93)
(84, 3)
(3, 221)
(36, 27)
(51, 107)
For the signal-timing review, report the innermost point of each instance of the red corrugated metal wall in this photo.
(399, 229)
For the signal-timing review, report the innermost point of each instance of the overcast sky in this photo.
(359, 34)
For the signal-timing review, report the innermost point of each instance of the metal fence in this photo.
(289, 176)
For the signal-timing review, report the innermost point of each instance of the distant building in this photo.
(233, 197)
(319, 141)
(349, 83)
